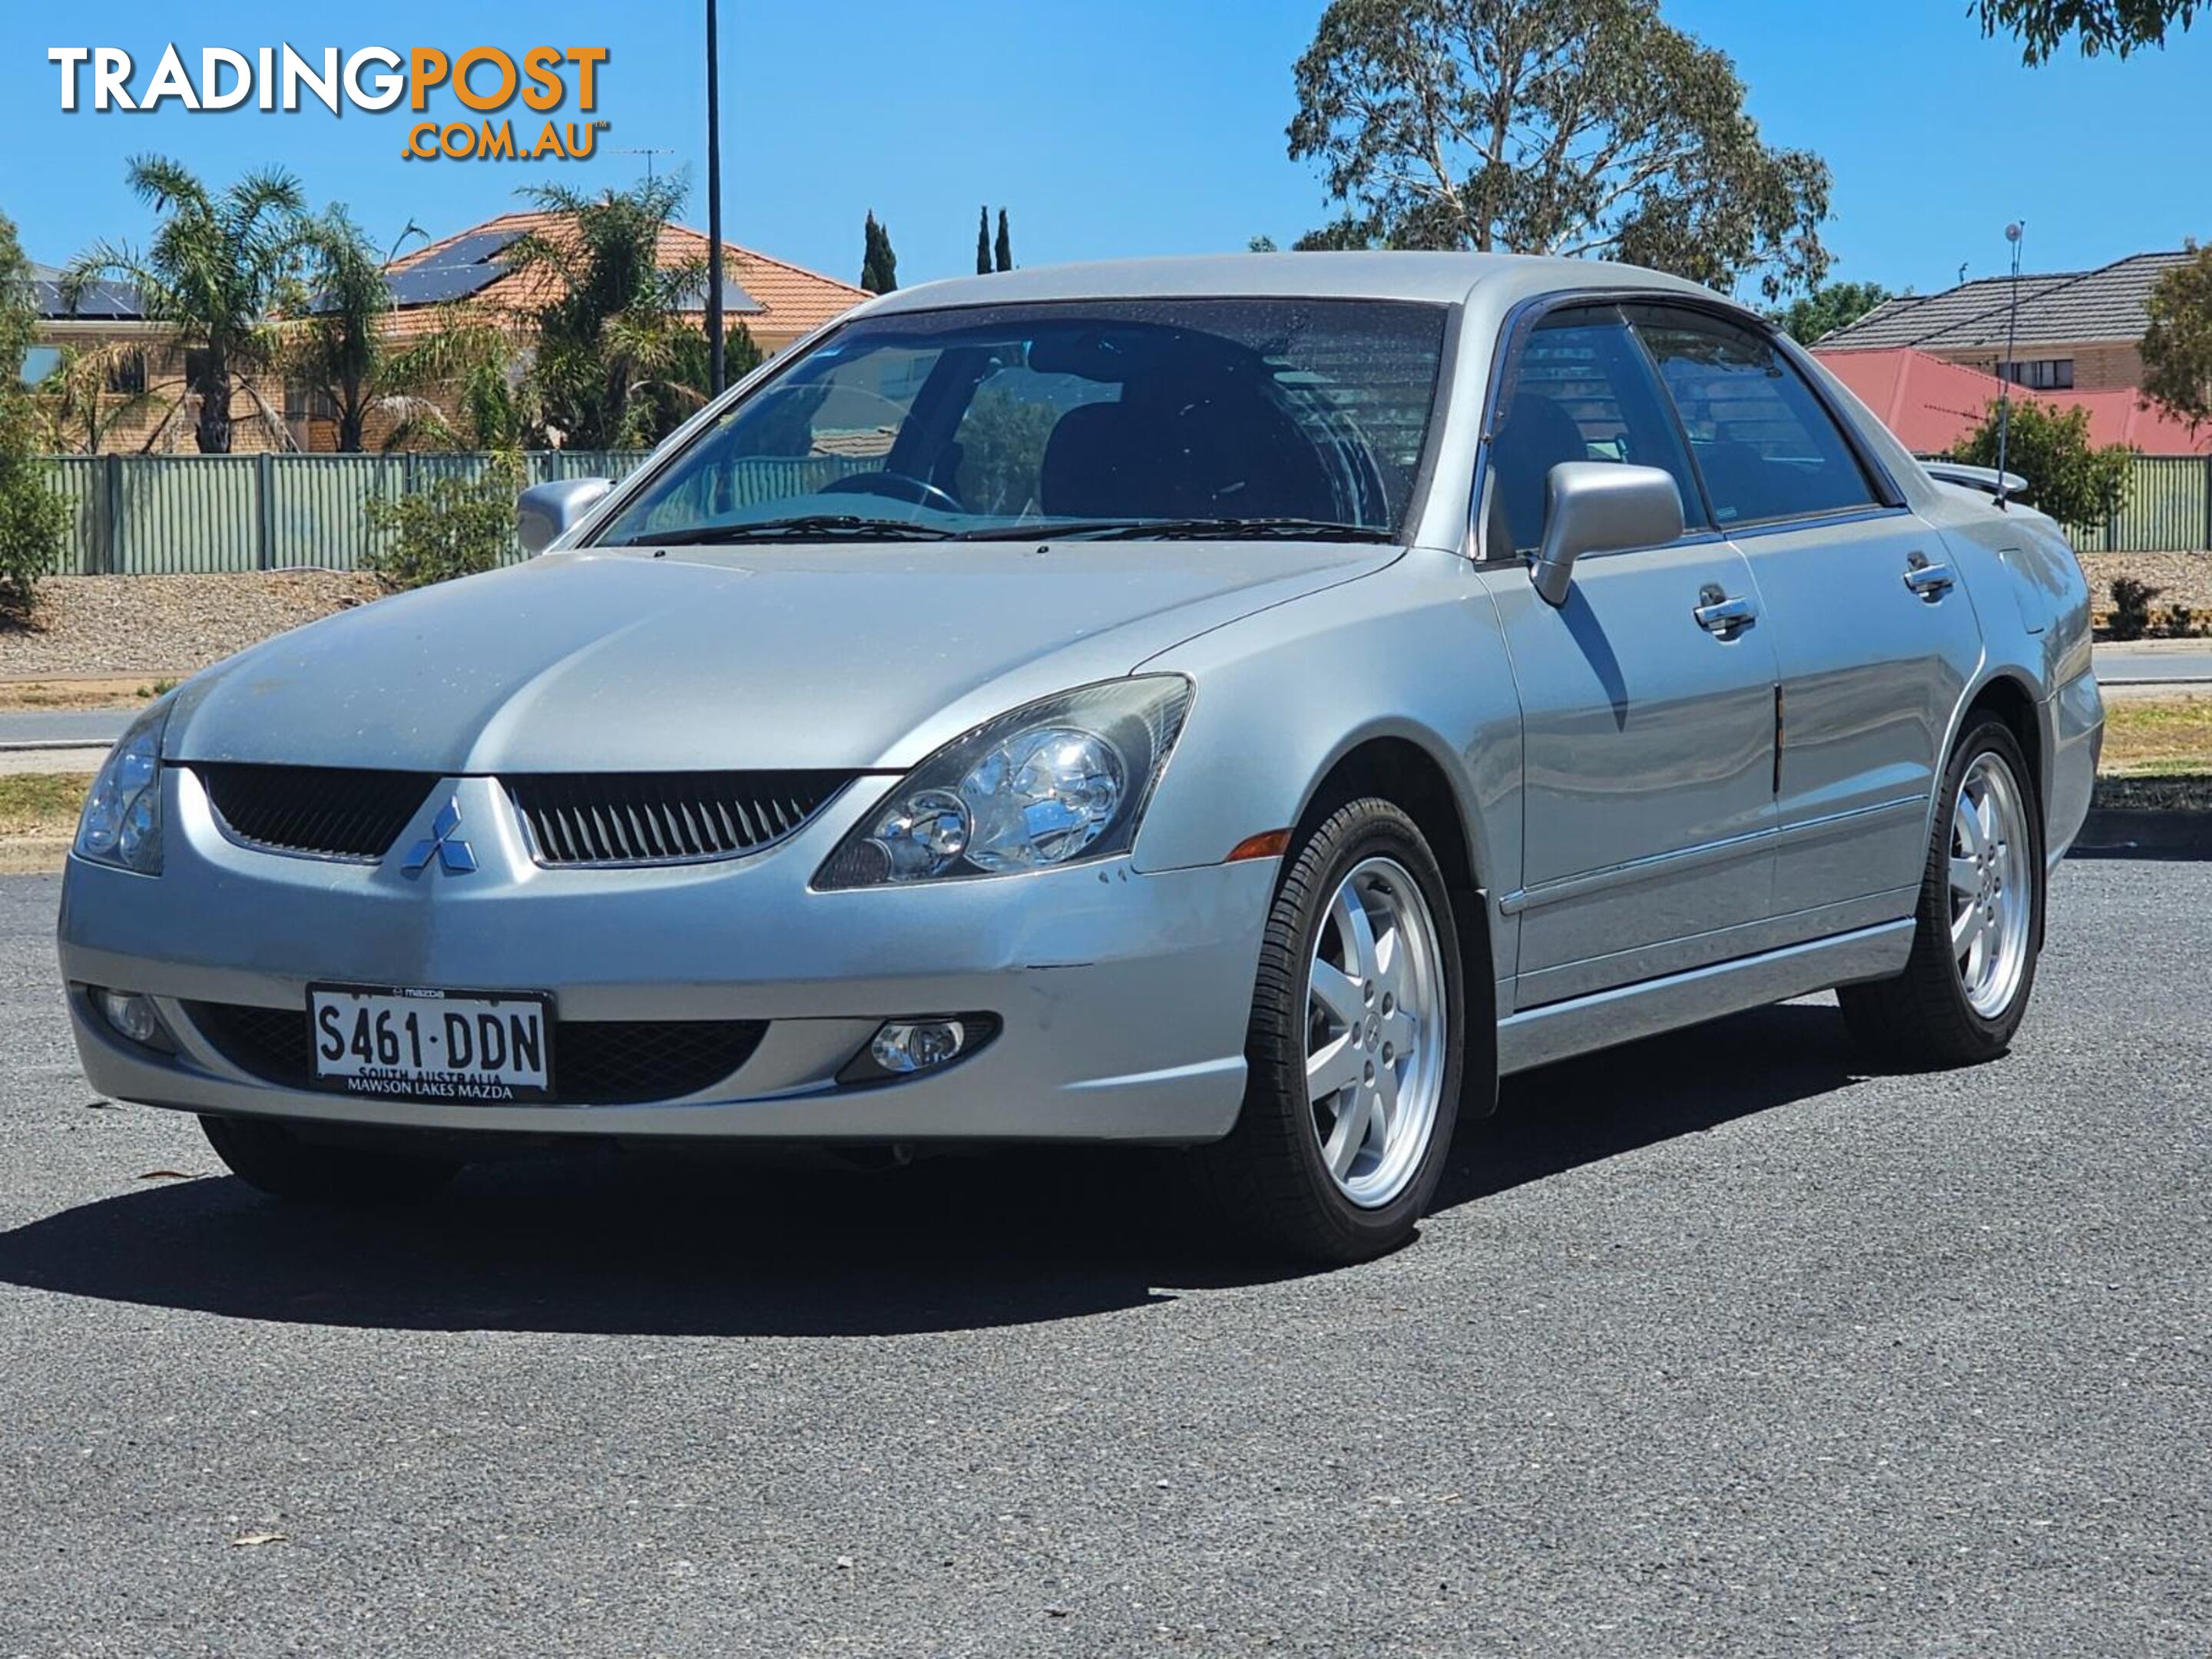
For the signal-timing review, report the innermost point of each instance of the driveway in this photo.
(1719, 1344)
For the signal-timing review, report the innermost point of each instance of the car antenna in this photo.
(2008, 368)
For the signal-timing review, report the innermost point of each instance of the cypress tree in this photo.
(878, 265)
(1005, 252)
(983, 241)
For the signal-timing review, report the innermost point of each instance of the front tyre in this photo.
(1354, 1047)
(276, 1160)
(1965, 989)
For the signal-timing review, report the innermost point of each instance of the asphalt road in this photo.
(2164, 663)
(1718, 1345)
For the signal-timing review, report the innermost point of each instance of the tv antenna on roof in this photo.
(647, 151)
(2008, 368)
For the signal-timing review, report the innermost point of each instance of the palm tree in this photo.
(87, 396)
(218, 268)
(618, 361)
(468, 362)
(340, 348)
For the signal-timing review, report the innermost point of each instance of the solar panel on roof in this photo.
(477, 246)
(99, 298)
(430, 285)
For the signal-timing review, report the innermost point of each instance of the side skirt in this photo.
(1561, 1030)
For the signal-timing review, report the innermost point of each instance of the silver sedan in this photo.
(1242, 705)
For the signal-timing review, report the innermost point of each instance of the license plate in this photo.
(466, 1046)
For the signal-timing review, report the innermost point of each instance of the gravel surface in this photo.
(2184, 578)
(166, 626)
(1718, 1345)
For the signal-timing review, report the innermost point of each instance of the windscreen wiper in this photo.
(1220, 529)
(810, 527)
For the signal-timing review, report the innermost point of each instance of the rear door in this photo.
(1875, 638)
(1648, 735)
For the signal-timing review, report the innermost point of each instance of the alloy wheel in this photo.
(1992, 907)
(1376, 1042)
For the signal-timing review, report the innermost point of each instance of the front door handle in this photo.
(1931, 581)
(1717, 613)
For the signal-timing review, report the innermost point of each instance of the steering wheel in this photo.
(896, 485)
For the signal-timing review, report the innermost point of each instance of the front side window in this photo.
(1580, 389)
(1071, 415)
(1765, 446)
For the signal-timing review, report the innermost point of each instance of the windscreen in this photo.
(1006, 421)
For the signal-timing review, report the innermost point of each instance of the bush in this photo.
(32, 522)
(2131, 600)
(2067, 478)
(31, 517)
(457, 527)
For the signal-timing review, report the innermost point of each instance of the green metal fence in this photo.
(165, 514)
(2169, 510)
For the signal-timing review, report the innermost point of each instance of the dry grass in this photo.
(38, 816)
(18, 696)
(2158, 737)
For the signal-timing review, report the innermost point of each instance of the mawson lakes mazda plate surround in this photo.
(402, 1041)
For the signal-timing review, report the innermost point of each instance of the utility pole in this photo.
(715, 363)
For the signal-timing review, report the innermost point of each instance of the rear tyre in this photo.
(1965, 989)
(1354, 1048)
(274, 1159)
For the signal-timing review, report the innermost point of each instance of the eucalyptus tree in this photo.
(220, 268)
(2116, 25)
(1586, 127)
(2177, 346)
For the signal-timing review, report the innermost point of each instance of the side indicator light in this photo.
(1270, 844)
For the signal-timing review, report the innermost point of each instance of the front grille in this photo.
(334, 812)
(666, 817)
(595, 1062)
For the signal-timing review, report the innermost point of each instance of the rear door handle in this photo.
(1931, 581)
(1717, 613)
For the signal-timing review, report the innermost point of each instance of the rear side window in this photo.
(1582, 390)
(1765, 445)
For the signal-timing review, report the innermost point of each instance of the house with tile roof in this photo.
(141, 373)
(2077, 331)
(778, 302)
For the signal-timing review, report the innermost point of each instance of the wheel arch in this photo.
(2008, 696)
(1396, 768)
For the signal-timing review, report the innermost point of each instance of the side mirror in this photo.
(546, 512)
(1600, 507)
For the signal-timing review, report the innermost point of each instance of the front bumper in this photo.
(1122, 997)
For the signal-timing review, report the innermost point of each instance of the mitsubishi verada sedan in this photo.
(1240, 705)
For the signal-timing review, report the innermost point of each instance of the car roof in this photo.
(1436, 278)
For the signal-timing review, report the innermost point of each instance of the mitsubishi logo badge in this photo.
(444, 843)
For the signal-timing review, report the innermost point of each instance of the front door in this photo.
(1648, 717)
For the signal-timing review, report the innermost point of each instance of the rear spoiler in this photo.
(1987, 479)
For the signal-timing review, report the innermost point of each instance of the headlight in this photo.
(121, 823)
(1057, 782)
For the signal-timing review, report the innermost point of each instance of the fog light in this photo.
(130, 1013)
(905, 1046)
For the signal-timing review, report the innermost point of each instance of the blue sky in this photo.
(1117, 126)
